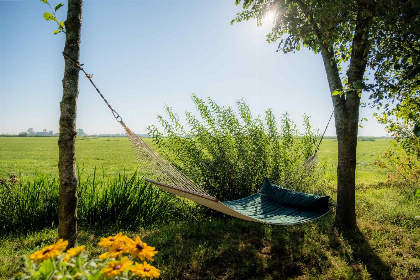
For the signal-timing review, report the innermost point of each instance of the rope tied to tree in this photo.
(89, 76)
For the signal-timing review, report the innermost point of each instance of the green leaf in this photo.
(56, 31)
(45, 1)
(49, 16)
(61, 24)
(359, 84)
(337, 92)
(58, 6)
(46, 268)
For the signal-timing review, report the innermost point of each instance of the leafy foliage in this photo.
(394, 37)
(229, 154)
(402, 160)
(396, 59)
(52, 16)
(403, 167)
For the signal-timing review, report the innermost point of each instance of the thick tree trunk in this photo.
(67, 201)
(346, 116)
(346, 123)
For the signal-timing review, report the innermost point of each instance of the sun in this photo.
(270, 16)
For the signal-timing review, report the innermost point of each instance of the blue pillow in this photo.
(294, 198)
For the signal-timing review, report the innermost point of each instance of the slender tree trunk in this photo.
(67, 201)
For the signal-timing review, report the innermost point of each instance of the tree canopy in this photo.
(393, 36)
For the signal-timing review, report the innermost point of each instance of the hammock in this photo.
(272, 205)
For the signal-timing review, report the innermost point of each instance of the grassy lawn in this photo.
(385, 246)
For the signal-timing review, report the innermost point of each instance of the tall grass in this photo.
(125, 200)
(230, 152)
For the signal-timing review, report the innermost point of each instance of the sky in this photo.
(148, 54)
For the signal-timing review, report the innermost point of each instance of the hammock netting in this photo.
(272, 205)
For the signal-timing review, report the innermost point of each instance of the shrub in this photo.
(403, 167)
(402, 160)
(229, 154)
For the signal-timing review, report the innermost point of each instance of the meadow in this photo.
(385, 245)
(30, 157)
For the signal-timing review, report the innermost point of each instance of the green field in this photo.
(32, 156)
(384, 246)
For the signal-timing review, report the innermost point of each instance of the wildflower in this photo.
(115, 268)
(145, 270)
(73, 252)
(117, 249)
(141, 250)
(108, 241)
(49, 251)
(104, 256)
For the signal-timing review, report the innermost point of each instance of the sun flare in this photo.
(270, 16)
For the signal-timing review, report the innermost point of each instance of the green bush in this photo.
(229, 154)
(126, 200)
(402, 160)
(402, 166)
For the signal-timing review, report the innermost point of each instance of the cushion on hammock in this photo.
(295, 199)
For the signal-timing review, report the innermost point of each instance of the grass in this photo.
(126, 200)
(385, 245)
(367, 152)
(31, 156)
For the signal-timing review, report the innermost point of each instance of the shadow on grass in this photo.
(228, 248)
(365, 254)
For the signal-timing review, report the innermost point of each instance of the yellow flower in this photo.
(104, 256)
(141, 250)
(49, 251)
(110, 255)
(117, 249)
(115, 268)
(145, 270)
(73, 252)
(108, 241)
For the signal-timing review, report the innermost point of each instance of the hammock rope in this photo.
(263, 207)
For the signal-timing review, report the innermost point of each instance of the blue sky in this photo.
(145, 54)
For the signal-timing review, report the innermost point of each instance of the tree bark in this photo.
(67, 201)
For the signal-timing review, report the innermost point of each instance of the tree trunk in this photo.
(346, 124)
(67, 201)
(346, 115)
